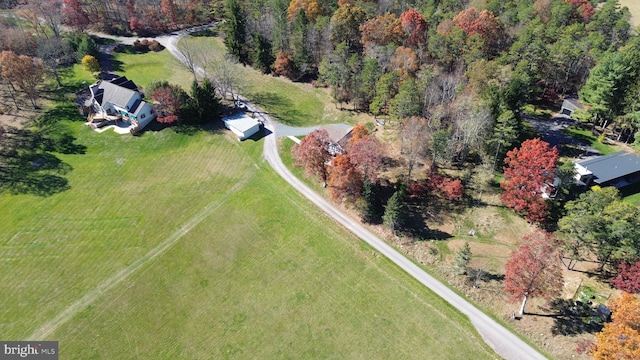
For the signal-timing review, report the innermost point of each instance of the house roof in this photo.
(338, 132)
(124, 82)
(612, 166)
(117, 95)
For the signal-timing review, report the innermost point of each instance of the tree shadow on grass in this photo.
(28, 164)
(576, 317)
(286, 114)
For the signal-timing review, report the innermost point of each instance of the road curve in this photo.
(501, 340)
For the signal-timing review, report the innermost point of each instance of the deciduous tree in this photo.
(168, 101)
(345, 180)
(345, 26)
(534, 270)
(414, 27)
(312, 154)
(74, 15)
(620, 338)
(366, 154)
(91, 64)
(382, 30)
(628, 277)
(527, 169)
(23, 72)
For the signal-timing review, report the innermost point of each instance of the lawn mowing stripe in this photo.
(62, 317)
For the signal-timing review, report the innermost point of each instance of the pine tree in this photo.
(462, 259)
(236, 31)
(396, 212)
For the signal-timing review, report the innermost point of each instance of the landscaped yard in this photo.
(587, 137)
(171, 246)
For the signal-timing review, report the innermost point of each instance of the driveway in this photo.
(551, 131)
(501, 340)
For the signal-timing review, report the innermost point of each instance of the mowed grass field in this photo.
(174, 246)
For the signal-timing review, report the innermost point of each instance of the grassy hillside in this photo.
(174, 246)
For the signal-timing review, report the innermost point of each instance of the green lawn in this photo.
(586, 136)
(152, 66)
(189, 247)
(297, 104)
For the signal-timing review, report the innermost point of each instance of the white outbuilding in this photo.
(242, 125)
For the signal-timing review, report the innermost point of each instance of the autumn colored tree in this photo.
(620, 338)
(366, 154)
(527, 170)
(91, 64)
(358, 132)
(167, 8)
(345, 26)
(382, 30)
(584, 8)
(23, 72)
(168, 101)
(312, 153)
(534, 270)
(485, 24)
(284, 65)
(345, 180)
(74, 15)
(405, 61)
(414, 27)
(628, 277)
(312, 9)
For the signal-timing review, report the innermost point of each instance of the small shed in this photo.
(570, 105)
(619, 169)
(241, 125)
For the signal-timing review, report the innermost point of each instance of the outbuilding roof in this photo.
(612, 166)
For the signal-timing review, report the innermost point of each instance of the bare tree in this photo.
(415, 140)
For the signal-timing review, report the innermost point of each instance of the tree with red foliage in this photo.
(345, 180)
(620, 338)
(168, 103)
(382, 30)
(366, 154)
(584, 8)
(628, 278)
(312, 153)
(450, 189)
(283, 65)
(485, 24)
(415, 28)
(74, 15)
(527, 170)
(534, 269)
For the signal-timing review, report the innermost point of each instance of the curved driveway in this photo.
(502, 341)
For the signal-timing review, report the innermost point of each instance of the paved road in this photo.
(501, 340)
(551, 131)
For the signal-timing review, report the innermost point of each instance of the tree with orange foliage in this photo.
(534, 269)
(358, 132)
(405, 61)
(527, 170)
(345, 180)
(283, 65)
(414, 27)
(311, 8)
(381, 30)
(620, 338)
(24, 72)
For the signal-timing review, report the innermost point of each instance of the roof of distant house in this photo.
(241, 122)
(337, 132)
(612, 166)
(572, 103)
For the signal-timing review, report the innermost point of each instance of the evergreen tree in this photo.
(396, 212)
(236, 31)
(462, 259)
(369, 203)
(262, 56)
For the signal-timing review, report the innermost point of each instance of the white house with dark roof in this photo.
(118, 99)
(619, 169)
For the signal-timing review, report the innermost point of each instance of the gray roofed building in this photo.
(619, 169)
(570, 105)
